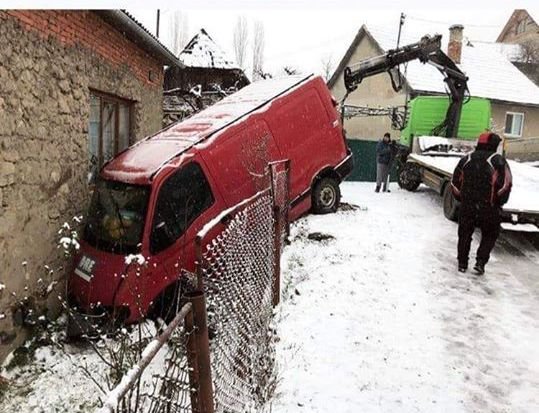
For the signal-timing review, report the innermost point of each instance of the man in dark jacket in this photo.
(383, 162)
(482, 183)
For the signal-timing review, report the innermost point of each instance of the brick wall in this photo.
(49, 62)
(88, 30)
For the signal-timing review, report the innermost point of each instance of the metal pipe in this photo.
(192, 361)
(277, 255)
(205, 386)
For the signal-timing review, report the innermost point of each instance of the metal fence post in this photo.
(205, 387)
(287, 201)
(192, 362)
(277, 254)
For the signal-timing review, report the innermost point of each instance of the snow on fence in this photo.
(180, 386)
(238, 256)
(239, 270)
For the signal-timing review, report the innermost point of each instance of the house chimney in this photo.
(454, 48)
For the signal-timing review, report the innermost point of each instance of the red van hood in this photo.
(96, 277)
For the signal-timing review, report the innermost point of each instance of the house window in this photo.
(109, 129)
(514, 123)
(521, 27)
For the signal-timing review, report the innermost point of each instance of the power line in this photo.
(485, 26)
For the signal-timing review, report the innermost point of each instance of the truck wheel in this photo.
(326, 196)
(451, 205)
(409, 177)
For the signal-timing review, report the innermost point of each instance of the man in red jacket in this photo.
(482, 183)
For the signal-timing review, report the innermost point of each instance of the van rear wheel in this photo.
(326, 196)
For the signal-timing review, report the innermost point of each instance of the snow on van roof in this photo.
(141, 161)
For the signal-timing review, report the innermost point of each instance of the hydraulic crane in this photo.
(427, 50)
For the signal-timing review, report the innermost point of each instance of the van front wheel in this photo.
(326, 196)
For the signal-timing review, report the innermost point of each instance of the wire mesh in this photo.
(170, 390)
(238, 269)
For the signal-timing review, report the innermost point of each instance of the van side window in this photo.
(182, 198)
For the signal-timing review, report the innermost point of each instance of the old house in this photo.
(76, 87)
(514, 98)
(207, 75)
(522, 32)
(520, 28)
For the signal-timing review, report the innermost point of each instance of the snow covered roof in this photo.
(491, 74)
(202, 51)
(512, 52)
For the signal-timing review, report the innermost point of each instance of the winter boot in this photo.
(463, 266)
(377, 189)
(479, 268)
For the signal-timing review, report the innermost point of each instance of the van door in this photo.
(240, 160)
(302, 129)
(185, 202)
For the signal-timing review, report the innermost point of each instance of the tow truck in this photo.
(431, 160)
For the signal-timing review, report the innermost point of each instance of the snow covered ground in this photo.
(374, 320)
(379, 320)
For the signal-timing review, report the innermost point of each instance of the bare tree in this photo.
(529, 52)
(179, 31)
(327, 66)
(258, 49)
(241, 35)
(290, 71)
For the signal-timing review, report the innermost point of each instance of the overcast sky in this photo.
(300, 33)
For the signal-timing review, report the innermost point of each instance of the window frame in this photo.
(116, 101)
(511, 134)
(154, 219)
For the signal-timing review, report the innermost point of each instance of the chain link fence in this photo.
(239, 271)
(238, 274)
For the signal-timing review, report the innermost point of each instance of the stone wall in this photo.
(49, 62)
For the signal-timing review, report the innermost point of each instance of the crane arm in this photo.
(427, 50)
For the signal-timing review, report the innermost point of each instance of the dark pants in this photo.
(382, 175)
(488, 221)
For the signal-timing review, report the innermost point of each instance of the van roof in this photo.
(140, 162)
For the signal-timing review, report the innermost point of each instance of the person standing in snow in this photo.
(482, 183)
(383, 162)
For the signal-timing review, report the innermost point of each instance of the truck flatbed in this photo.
(523, 204)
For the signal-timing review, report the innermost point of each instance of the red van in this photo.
(153, 198)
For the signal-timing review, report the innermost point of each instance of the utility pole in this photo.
(401, 23)
(157, 25)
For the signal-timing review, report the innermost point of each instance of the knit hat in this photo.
(488, 141)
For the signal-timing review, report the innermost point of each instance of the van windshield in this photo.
(116, 215)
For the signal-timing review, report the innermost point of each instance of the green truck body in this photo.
(427, 112)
